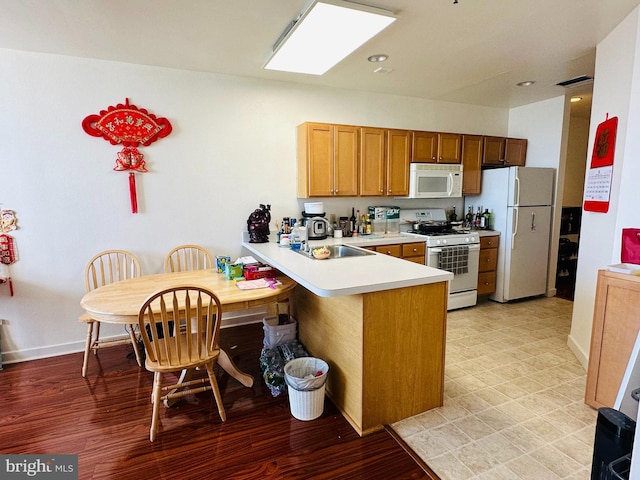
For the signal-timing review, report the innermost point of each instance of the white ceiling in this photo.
(471, 52)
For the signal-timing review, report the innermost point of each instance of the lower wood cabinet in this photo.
(488, 264)
(413, 252)
(615, 326)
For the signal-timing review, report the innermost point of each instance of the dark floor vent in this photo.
(573, 81)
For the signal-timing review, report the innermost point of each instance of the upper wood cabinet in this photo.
(433, 147)
(384, 162)
(515, 152)
(504, 152)
(398, 159)
(471, 164)
(327, 160)
(493, 151)
(449, 147)
(424, 147)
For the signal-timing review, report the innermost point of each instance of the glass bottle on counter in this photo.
(486, 219)
(352, 221)
(453, 217)
(469, 218)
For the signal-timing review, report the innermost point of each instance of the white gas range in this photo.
(454, 250)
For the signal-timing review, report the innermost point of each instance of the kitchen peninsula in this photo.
(379, 322)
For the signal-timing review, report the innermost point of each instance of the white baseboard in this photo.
(582, 357)
(24, 355)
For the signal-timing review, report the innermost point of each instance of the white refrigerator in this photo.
(521, 200)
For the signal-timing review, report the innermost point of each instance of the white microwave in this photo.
(435, 180)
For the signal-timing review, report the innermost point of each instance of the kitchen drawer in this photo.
(488, 260)
(489, 242)
(393, 250)
(416, 249)
(421, 260)
(486, 283)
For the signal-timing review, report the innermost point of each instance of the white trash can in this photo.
(306, 378)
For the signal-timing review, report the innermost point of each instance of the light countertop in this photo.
(350, 275)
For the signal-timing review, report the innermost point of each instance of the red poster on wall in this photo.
(597, 191)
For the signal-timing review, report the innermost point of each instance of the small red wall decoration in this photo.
(129, 126)
(597, 190)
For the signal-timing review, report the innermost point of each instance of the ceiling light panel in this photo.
(326, 33)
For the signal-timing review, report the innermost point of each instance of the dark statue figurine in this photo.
(258, 224)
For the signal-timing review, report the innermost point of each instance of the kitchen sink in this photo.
(340, 251)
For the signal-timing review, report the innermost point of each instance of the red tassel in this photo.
(132, 193)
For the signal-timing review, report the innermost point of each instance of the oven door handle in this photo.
(472, 248)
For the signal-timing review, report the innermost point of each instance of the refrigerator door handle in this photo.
(516, 193)
(533, 221)
(514, 228)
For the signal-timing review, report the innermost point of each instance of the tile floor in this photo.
(513, 398)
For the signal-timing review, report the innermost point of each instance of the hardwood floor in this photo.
(104, 418)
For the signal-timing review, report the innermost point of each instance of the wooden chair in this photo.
(186, 258)
(105, 268)
(174, 344)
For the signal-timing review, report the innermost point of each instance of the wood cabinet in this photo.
(350, 161)
(613, 335)
(327, 160)
(504, 152)
(386, 350)
(384, 162)
(424, 147)
(434, 147)
(515, 152)
(413, 252)
(488, 264)
(471, 164)
(449, 147)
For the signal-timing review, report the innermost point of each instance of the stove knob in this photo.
(467, 239)
(437, 242)
(444, 242)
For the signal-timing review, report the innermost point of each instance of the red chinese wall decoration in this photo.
(129, 126)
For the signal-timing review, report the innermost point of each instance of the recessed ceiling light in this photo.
(326, 33)
(526, 83)
(575, 99)
(378, 57)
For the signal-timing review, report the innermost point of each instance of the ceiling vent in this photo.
(576, 81)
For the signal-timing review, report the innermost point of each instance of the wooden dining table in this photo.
(120, 302)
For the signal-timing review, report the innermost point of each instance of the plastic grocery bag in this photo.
(306, 374)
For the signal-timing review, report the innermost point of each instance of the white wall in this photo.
(615, 93)
(232, 147)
